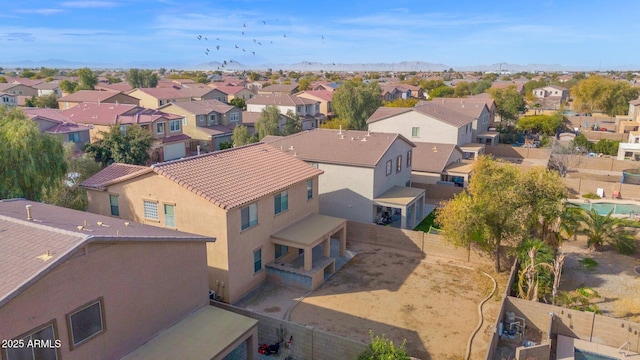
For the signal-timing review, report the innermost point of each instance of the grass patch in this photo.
(588, 264)
(428, 222)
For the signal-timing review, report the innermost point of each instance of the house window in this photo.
(280, 250)
(160, 128)
(161, 102)
(309, 189)
(86, 323)
(409, 157)
(399, 163)
(74, 137)
(234, 117)
(212, 120)
(314, 164)
(257, 260)
(415, 132)
(150, 210)
(281, 202)
(389, 167)
(174, 125)
(184, 121)
(169, 215)
(45, 334)
(249, 216)
(113, 202)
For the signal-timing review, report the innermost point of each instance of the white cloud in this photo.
(90, 4)
(40, 11)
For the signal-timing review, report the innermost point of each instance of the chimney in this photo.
(29, 217)
(340, 132)
(435, 149)
(198, 147)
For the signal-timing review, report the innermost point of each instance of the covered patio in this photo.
(409, 201)
(458, 173)
(296, 262)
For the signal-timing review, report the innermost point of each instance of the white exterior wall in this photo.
(346, 192)
(431, 130)
(481, 124)
(258, 108)
(382, 182)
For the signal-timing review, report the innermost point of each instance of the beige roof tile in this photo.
(114, 173)
(349, 147)
(432, 157)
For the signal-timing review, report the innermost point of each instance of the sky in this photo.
(129, 33)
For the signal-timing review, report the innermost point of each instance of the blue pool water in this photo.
(586, 355)
(605, 208)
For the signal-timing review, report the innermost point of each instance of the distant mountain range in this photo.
(404, 66)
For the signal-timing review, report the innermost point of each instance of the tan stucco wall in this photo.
(146, 287)
(431, 130)
(146, 100)
(230, 258)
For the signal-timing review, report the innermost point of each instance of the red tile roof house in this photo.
(551, 97)
(154, 98)
(307, 109)
(258, 202)
(97, 287)
(325, 97)
(170, 143)
(8, 100)
(209, 123)
(53, 121)
(19, 89)
(95, 96)
(234, 92)
(365, 173)
(279, 88)
(437, 163)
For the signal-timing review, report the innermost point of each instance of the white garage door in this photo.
(174, 151)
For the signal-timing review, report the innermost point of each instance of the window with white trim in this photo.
(249, 216)
(113, 203)
(309, 189)
(399, 163)
(281, 202)
(160, 128)
(151, 210)
(184, 120)
(389, 167)
(234, 117)
(174, 125)
(257, 260)
(409, 157)
(86, 323)
(74, 137)
(415, 132)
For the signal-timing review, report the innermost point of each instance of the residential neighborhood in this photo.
(211, 182)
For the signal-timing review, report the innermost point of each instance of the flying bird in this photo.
(253, 52)
(225, 62)
(217, 47)
(254, 40)
(218, 39)
(259, 43)
(199, 37)
(243, 50)
(237, 47)
(285, 35)
(206, 38)
(322, 37)
(244, 25)
(264, 22)
(243, 33)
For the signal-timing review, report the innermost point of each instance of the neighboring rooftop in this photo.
(202, 106)
(346, 147)
(432, 157)
(30, 248)
(89, 96)
(280, 99)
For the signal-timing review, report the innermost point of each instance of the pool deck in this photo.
(567, 346)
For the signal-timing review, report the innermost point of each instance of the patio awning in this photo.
(458, 169)
(308, 232)
(399, 196)
(205, 334)
(488, 134)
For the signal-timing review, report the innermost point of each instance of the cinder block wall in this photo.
(308, 343)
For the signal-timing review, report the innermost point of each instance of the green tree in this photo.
(410, 102)
(269, 122)
(509, 102)
(547, 124)
(462, 89)
(239, 103)
(382, 348)
(128, 146)
(607, 147)
(241, 136)
(304, 84)
(293, 124)
(28, 74)
(254, 76)
(87, 79)
(67, 192)
(142, 78)
(68, 87)
(600, 93)
(442, 91)
(581, 141)
(30, 163)
(335, 123)
(481, 86)
(533, 84)
(355, 101)
(535, 278)
(3, 80)
(605, 229)
(46, 101)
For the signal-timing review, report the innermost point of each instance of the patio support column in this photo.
(326, 247)
(403, 217)
(343, 240)
(308, 258)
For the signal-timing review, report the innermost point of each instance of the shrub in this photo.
(588, 263)
(591, 196)
(382, 348)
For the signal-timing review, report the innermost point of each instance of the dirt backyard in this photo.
(432, 303)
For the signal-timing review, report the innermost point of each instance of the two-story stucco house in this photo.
(307, 109)
(211, 122)
(169, 141)
(87, 286)
(8, 100)
(365, 173)
(95, 96)
(53, 121)
(258, 202)
(234, 92)
(325, 97)
(428, 122)
(551, 97)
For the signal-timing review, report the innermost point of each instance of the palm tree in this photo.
(605, 229)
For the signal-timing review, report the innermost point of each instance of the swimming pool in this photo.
(604, 208)
(587, 355)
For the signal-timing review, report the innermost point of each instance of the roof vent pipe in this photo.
(29, 217)
(340, 132)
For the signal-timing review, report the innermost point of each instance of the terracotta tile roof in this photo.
(229, 89)
(47, 85)
(463, 106)
(444, 114)
(7, 86)
(482, 98)
(323, 95)
(97, 114)
(27, 82)
(65, 128)
(279, 99)
(175, 138)
(121, 86)
(384, 112)
(280, 88)
(432, 157)
(195, 91)
(215, 130)
(114, 173)
(145, 116)
(31, 249)
(335, 147)
(237, 176)
(250, 118)
(49, 114)
(161, 93)
(202, 107)
(88, 96)
(635, 102)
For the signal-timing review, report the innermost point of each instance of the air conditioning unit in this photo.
(213, 296)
